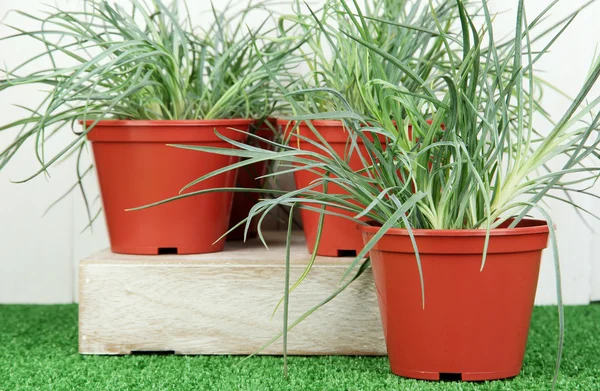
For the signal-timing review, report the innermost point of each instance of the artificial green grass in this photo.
(38, 351)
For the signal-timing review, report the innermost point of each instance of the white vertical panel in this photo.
(36, 253)
(566, 66)
(595, 279)
(595, 252)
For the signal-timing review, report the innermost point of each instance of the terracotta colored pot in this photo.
(246, 178)
(474, 324)
(339, 236)
(135, 167)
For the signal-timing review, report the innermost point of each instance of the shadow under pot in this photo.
(339, 236)
(136, 167)
(248, 177)
(473, 323)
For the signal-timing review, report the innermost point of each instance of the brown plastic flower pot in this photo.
(136, 167)
(248, 178)
(474, 323)
(339, 236)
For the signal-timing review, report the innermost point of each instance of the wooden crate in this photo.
(222, 303)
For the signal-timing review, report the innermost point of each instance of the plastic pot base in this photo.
(326, 250)
(179, 250)
(450, 376)
(338, 236)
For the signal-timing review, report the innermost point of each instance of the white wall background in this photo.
(39, 255)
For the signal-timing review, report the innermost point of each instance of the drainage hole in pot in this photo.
(153, 352)
(346, 253)
(167, 250)
(450, 376)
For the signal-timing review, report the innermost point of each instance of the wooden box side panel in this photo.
(219, 308)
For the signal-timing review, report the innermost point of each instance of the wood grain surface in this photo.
(222, 303)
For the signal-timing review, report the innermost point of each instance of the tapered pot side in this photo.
(339, 236)
(248, 177)
(474, 323)
(136, 167)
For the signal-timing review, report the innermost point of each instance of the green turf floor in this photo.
(38, 351)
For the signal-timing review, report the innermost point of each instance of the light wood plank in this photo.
(222, 303)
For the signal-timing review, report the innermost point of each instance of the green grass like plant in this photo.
(474, 156)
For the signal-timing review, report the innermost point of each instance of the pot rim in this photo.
(166, 131)
(333, 131)
(317, 122)
(327, 122)
(534, 226)
(168, 122)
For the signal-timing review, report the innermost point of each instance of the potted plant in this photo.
(336, 62)
(454, 252)
(139, 78)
